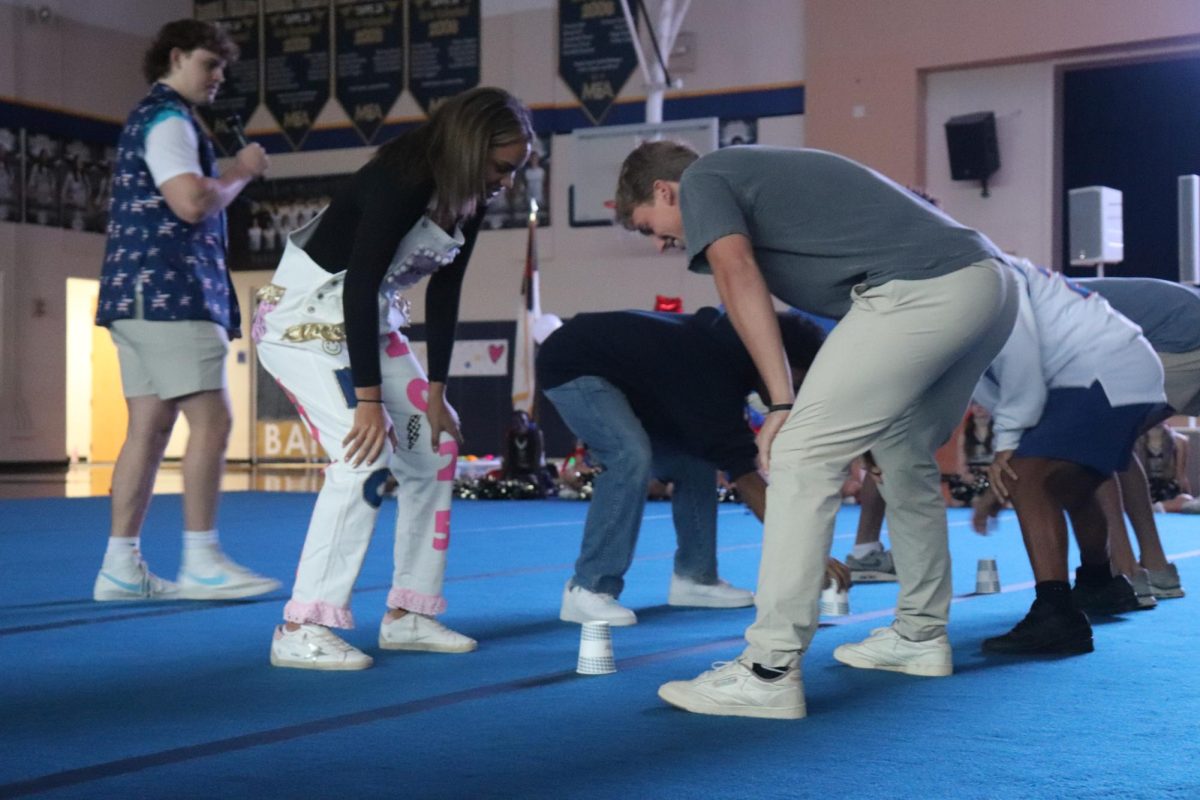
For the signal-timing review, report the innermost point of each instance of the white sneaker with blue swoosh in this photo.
(219, 578)
(132, 581)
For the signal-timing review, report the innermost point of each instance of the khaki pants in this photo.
(894, 377)
(1182, 374)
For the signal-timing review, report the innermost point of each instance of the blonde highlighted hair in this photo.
(454, 146)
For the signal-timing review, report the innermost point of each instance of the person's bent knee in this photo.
(341, 471)
(422, 459)
(633, 461)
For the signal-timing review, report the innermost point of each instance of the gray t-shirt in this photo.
(820, 224)
(1168, 313)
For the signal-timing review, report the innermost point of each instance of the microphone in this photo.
(238, 131)
(234, 122)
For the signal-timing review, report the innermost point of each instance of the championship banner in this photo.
(241, 93)
(370, 61)
(595, 52)
(296, 51)
(443, 49)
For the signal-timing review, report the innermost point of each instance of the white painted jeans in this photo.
(301, 342)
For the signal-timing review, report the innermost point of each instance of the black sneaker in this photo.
(1115, 597)
(1045, 630)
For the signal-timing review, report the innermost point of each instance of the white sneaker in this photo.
(219, 578)
(580, 605)
(133, 581)
(731, 689)
(315, 647)
(687, 592)
(887, 649)
(416, 631)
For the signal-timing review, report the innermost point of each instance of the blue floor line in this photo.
(175, 608)
(515, 572)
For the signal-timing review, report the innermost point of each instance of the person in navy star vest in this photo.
(167, 299)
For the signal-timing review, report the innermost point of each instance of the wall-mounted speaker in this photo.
(1096, 226)
(1189, 229)
(974, 152)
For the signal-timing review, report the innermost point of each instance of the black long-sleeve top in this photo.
(359, 232)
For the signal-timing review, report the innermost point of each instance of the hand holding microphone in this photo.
(250, 157)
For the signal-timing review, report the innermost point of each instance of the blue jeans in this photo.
(600, 415)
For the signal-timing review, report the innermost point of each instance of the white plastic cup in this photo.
(987, 577)
(835, 602)
(595, 649)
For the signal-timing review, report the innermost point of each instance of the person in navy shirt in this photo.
(659, 395)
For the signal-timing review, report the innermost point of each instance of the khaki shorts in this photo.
(1182, 372)
(170, 359)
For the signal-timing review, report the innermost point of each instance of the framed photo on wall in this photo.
(267, 211)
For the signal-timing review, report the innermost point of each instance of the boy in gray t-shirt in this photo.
(820, 224)
(924, 305)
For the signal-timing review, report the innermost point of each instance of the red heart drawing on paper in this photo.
(495, 351)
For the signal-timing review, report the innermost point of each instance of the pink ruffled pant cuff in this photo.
(409, 600)
(319, 613)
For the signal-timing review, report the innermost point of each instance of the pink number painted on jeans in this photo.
(450, 448)
(418, 393)
(441, 530)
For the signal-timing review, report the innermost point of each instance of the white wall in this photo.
(1021, 214)
(1018, 215)
(69, 66)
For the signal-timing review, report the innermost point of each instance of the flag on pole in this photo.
(524, 347)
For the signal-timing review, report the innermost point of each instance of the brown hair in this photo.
(650, 162)
(454, 146)
(187, 35)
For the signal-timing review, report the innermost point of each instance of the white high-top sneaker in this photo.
(217, 577)
(131, 581)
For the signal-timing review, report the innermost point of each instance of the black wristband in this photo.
(779, 407)
(365, 400)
